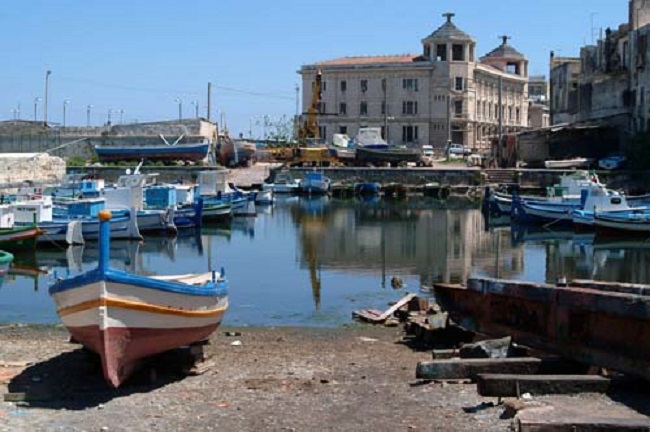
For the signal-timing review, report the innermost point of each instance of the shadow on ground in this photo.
(74, 380)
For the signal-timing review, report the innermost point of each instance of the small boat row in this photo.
(68, 213)
(580, 200)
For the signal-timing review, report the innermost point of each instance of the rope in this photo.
(557, 220)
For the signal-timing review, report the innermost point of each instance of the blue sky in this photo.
(140, 55)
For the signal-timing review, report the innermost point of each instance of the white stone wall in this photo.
(37, 167)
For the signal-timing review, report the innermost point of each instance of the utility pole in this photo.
(449, 115)
(65, 105)
(384, 85)
(209, 99)
(47, 83)
(296, 120)
(88, 115)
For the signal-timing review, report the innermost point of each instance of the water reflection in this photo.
(312, 261)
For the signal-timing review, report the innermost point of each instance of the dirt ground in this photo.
(357, 378)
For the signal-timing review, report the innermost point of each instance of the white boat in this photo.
(283, 183)
(126, 317)
(370, 138)
(569, 163)
(314, 183)
(568, 190)
(264, 196)
(601, 201)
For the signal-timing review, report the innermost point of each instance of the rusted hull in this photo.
(607, 329)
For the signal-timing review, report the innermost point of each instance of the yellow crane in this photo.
(309, 129)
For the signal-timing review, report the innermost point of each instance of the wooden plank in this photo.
(404, 300)
(367, 315)
(378, 317)
(513, 385)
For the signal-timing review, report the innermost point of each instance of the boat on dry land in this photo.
(125, 317)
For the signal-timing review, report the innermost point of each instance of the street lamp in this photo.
(36, 101)
(121, 113)
(196, 108)
(179, 101)
(88, 107)
(108, 122)
(65, 105)
(47, 82)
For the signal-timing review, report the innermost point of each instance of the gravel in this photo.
(280, 379)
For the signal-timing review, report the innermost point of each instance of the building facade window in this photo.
(321, 108)
(410, 84)
(459, 83)
(343, 108)
(364, 85)
(363, 108)
(322, 131)
(384, 135)
(458, 52)
(409, 107)
(441, 52)
(344, 86)
(383, 107)
(323, 85)
(383, 85)
(458, 108)
(409, 134)
(343, 130)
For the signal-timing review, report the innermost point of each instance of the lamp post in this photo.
(36, 101)
(108, 121)
(88, 108)
(65, 105)
(121, 113)
(179, 101)
(196, 108)
(47, 83)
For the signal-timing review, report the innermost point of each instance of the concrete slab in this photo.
(511, 385)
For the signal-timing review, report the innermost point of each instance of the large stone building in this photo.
(609, 82)
(442, 94)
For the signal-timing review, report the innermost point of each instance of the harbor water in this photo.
(311, 262)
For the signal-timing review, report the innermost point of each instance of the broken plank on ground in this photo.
(378, 317)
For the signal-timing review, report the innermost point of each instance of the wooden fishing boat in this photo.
(13, 237)
(125, 317)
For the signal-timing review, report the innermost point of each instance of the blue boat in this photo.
(367, 188)
(188, 152)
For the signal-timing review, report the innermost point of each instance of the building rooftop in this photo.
(505, 50)
(370, 60)
(449, 31)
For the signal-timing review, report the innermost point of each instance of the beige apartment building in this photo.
(443, 94)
